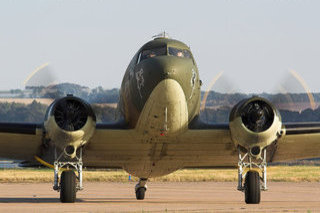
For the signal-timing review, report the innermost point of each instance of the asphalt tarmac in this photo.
(160, 197)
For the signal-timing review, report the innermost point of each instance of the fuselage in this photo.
(165, 71)
(159, 97)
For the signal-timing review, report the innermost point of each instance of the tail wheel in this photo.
(252, 187)
(68, 187)
(140, 192)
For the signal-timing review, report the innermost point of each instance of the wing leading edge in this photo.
(208, 145)
(23, 141)
(301, 141)
(20, 141)
(203, 145)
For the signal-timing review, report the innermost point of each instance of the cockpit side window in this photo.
(179, 52)
(150, 53)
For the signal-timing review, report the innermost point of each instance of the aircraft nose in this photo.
(149, 73)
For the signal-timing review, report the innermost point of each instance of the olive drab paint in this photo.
(143, 76)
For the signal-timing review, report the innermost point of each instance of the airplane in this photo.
(159, 130)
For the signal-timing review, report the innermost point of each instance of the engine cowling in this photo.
(70, 123)
(254, 124)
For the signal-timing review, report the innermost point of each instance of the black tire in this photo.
(68, 187)
(140, 193)
(252, 187)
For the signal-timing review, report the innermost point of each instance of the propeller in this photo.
(216, 103)
(41, 76)
(287, 97)
(205, 96)
(293, 93)
(44, 84)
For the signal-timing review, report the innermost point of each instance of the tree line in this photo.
(221, 115)
(35, 113)
(218, 105)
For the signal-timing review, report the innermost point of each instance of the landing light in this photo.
(255, 150)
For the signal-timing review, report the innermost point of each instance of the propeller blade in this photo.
(215, 101)
(293, 94)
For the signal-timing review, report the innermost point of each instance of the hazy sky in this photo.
(91, 43)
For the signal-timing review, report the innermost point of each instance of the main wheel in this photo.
(68, 187)
(140, 192)
(252, 187)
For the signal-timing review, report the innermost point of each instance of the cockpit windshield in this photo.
(179, 52)
(145, 54)
(159, 51)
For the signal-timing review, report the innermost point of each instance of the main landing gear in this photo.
(68, 183)
(253, 183)
(141, 188)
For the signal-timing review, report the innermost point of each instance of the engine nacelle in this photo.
(254, 124)
(70, 123)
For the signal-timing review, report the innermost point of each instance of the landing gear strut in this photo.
(251, 185)
(141, 188)
(69, 183)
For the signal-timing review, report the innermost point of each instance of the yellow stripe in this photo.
(47, 164)
(34, 72)
(43, 162)
(288, 97)
(305, 87)
(204, 100)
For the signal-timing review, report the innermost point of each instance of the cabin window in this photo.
(145, 54)
(179, 52)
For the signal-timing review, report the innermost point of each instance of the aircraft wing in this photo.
(118, 146)
(301, 141)
(203, 146)
(210, 147)
(23, 141)
(20, 141)
(112, 147)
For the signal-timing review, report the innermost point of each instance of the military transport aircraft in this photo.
(160, 130)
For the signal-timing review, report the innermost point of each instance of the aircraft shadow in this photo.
(57, 200)
(118, 200)
(29, 200)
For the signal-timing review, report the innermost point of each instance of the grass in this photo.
(275, 173)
